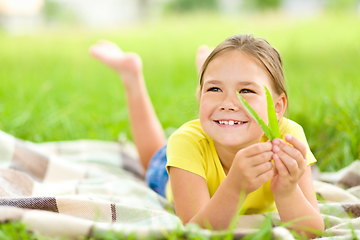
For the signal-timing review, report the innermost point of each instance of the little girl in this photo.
(220, 165)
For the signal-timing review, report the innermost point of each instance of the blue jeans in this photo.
(156, 174)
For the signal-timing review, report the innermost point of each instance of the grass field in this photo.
(51, 89)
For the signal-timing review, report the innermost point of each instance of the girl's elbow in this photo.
(320, 227)
(187, 220)
(313, 230)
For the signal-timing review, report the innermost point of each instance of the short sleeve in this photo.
(185, 152)
(297, 131)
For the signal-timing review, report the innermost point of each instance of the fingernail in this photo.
(276, 141)
(276, 149)
(288, 137)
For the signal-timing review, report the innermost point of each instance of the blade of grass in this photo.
(273, 122)
(265, 231)
(268, 132)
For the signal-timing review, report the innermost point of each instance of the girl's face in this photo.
(222, 116)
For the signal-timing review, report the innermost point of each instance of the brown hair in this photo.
(259, 49)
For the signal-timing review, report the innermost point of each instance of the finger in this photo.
(298, 144)
(263, 167)
(258, 148)
(266, 176)
(275, 169)
(281, 169)
(290, 150)
(261, 158)
(289, 162)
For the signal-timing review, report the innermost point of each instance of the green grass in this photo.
(51, 89)
(18, 231)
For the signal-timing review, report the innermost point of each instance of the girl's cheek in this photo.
(261, 109)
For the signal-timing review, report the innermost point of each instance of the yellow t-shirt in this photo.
(189, 148)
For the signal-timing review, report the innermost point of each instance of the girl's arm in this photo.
(301, 208)
(293, 189)
(251, 168)
(193, 203)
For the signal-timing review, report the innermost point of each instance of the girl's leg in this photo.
(201, 55)
(146, 128)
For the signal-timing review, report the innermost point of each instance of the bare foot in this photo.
(127, 65)
(201, 55)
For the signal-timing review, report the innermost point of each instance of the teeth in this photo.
(231, 122)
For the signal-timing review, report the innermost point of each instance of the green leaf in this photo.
(271, 131)
(256, 117)
(273, 122)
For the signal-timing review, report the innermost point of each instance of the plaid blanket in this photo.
(88, 188)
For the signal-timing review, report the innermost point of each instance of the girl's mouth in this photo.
(230, 122)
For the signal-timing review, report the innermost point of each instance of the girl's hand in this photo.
(252, 167)
(290, 164)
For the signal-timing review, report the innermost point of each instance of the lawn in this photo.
(51, 89)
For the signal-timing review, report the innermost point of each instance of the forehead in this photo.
(237, 66)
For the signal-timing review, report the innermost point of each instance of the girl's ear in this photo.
(280, 105)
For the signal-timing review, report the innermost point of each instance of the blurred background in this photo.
(26, 15)
(52, 90)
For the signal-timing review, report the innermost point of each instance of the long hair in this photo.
(259, 49)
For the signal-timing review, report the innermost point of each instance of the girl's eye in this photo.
(246, 91)
(214, 89)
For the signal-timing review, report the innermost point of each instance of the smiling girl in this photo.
(220, 165)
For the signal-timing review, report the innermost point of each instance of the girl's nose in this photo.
(230, 103)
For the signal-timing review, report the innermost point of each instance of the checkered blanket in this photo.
(90, 188)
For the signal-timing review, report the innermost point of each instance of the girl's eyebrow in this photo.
(247, 83)
(212, 82)
(241, 83)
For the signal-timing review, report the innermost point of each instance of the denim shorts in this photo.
(156, 174)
